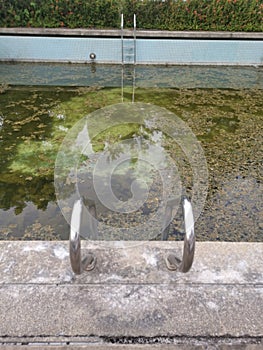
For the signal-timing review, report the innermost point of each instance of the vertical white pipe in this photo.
(122, 54)
(134, 37)
(122, 21)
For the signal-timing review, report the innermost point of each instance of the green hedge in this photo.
(226, 15)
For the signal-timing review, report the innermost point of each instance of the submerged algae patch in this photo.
(33, 158)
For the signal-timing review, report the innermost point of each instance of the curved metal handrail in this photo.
(173, 263)
(184, 265)
(78, 265)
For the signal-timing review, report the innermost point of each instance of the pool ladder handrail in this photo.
(123, 56)
(123, 42)
(172, 262)
(80, 265)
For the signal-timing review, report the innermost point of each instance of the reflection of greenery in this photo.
(111, 140)
(16, 190)
(115, 134)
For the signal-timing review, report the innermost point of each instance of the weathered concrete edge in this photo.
(38, 262)
(139, 33)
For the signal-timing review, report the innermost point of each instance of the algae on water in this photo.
(228, 124)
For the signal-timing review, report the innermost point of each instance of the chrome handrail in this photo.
(173, 263)
(184, 265)
(78, 265)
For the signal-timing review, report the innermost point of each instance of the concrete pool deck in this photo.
(131, 298)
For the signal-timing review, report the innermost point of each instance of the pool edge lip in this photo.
(82, 32)
(215, 262)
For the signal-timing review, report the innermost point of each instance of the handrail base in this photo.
(172, 262)
(89, 262)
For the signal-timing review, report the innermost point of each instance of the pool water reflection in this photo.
(227, 122)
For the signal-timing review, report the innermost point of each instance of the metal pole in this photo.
(122, 58)
(172, 262)
(78, 265)
(134, 37)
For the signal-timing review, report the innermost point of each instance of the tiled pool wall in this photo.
(220, 49)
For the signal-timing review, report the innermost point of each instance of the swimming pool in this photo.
(212, 82)
(227, 122)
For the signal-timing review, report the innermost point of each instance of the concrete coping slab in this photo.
(160, 34)
(131, 262)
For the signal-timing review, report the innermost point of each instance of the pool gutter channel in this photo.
(131, 297)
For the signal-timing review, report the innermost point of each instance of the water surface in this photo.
(227, 122)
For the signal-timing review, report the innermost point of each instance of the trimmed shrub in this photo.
(209, 15)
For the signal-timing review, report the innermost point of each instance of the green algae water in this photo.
(227, 122)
